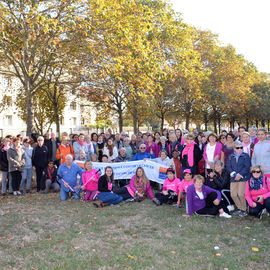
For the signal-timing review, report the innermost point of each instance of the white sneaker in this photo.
(19, 193)
(225, 215)
(15, 193)
(230, 208)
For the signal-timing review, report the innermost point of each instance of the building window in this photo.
(9, 120)
(74, 121)
(73, 106)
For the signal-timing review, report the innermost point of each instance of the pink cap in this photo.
(187, 171)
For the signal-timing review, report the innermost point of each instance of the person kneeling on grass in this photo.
(90, 186)
(105, 194)
(258, 192)
(138, 188)
(184, 184)
(69, 171)
(50, 177)
(203, 200)
(170, 189)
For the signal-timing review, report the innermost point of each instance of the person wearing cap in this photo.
(212, 151)
(184, 184)
(175, 163)
(203, 200)
(170, 189)
(27, 169)
(191, 155)
(142, 154)
(238, 167)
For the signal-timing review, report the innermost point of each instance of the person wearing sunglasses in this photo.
(258, 192)
(238, 166)
(142, 154)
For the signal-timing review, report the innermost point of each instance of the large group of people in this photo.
(209, 174)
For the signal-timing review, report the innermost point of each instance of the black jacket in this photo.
(103, 184)
(219, 182)
(49, 146)
(46, 175)
(40, 156)
(197, 156)
(3, 159)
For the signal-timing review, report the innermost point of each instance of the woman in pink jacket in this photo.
(258, 192)
(92, 186)
(170, 189)
(138, 188)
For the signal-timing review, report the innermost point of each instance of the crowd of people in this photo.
(209, 174)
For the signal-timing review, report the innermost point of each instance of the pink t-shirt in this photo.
(185, 184)
(93, 184)
(171, 185)
(109, 186)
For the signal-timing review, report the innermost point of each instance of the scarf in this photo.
(81, 143)
(50, 172)
(189, 151)
(256, 184)
(246, 148)
(139, 185)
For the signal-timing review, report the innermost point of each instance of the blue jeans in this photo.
(6, 176)
(26, 178)
(110, 198)
(64, 195)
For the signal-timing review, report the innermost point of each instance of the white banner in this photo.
(125, 170)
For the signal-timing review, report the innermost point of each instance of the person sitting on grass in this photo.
(138, 188)
(105, 194)
(184, 184)
(50, 177)
(90, 186)
(203, 200)
(258, 192)
(69, 171)
(170, 189)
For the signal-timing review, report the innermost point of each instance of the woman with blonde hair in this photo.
(138, 188)
(110, 150)
(257, 192)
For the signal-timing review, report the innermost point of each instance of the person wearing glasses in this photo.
(238, 166)
(142, 154)
(40, 159)
(258, 192)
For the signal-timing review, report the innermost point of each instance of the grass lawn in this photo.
(40, 232)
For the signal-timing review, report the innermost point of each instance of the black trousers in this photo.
(16, 180)
(40, 184)
(123, 192)
(210, 208)
(255, 211)
(166, 198)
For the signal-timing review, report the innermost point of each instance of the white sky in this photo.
(243, 23)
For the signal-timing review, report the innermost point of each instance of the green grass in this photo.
(40, 232)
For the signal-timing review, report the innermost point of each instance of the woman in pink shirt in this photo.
(257, 192)
(151, 146)
(92, 186)
(138, 187)
(170, 189)
(184, 184)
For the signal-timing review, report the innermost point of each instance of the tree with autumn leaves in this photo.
(133, 58)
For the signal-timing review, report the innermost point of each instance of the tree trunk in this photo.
(247, 123)
(162, 121)
(205, 121)
(120, 120)
(187, 120)
(215, 123)
(257, 123)
(57, 121)
(29, 119)
(219, 124)
(268, 122)
(135, 118)
(263, 123)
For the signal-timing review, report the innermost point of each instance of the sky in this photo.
(245, 24)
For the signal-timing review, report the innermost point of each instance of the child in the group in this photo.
(184, 184)
(92, 186)
(170, 189)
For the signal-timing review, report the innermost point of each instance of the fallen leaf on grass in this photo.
(125, 266)
(149, 256)
(61, 241)
(247, 227)
(173, 252)
(3, 237)
(255, 249)
(218, 254)
(76, 247)
(134, 235)
(130, 256)
(89, 224)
